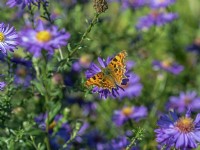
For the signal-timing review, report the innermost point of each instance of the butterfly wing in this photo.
(102, 81)
(117, 67)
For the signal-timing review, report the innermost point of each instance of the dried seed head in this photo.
(100, 6)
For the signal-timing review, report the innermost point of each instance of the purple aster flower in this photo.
(129, 113)
(169, 66)
(22, 3)
(120, 143)
(95, 140)
(133, 3)
(133, 88)
(94, 69)
(2, 85)
(155, 18)
(195, 46)
(43, 38)
(160, 3)
(178, 132)
(8, 38)
(184, 101)
(60, 135)
(23, 73)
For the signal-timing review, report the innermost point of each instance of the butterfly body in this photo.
(112, 75)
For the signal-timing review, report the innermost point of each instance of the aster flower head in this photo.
(95, 140)
(155, 18)
(22, 3)
(195, 46)
(133, 3)
(129, 113)
(155, 4)
(133, 88)
(104, 92)
(8, 38)
(120, 143)
(2, 85)
(184, 101)
(178, 132)
(59, 136)
(23, 73)
(168, 65)
(43, 38)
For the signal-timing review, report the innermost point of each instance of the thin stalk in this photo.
(94, 20)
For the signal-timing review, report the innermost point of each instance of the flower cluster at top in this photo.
(158, 15)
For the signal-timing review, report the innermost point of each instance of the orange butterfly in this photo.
(112, 75)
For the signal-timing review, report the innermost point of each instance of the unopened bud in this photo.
(100, 6)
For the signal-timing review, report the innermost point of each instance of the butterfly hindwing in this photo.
(102, 81)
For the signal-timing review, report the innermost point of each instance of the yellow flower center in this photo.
(60, 140)
(154, 14)
(161, 1)
(187, 100)
(43, 36)
(185, 124)
(127, 111)
(21, 72)
(166, 63)
(197, 41)
(2, 37)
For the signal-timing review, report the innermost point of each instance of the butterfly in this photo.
(112, 75)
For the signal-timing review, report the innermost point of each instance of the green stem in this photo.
(94, 20)
(33, 142)
(47, 132)
(47, 15)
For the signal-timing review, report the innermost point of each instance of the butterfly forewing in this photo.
(117, 66)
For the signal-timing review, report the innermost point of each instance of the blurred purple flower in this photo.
(120, 143)
(184, 101)
(178, 132)
(168, 66)
(155, 18)
(2, 85)
(23, 74)
(129, 113)
(195, 46)
(95, 140)
(21, 3)
(94, 69)
(60, 135)
(160, 3)
(133, 3)
(42, 38)
(8, 38)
